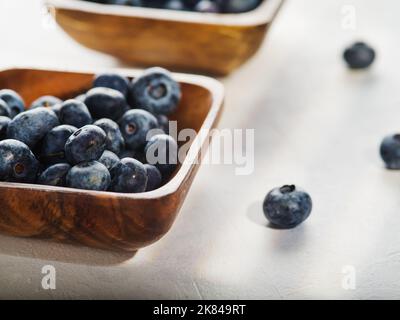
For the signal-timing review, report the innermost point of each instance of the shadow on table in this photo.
(67, 253)
(283, 239)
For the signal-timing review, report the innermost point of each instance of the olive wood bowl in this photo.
(199, 42)
(106, 220)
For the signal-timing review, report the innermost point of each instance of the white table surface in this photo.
(317, 125)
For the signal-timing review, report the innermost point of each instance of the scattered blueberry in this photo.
(13, 100)
(129, 176)
(359, 56)
(135, 125)
(75, 113)
(112, 81)
(390, 151)
(206, 6)
(86, 144)
(4, 121)
(105, 103)
(52, 149)
(156, 92)
(55, 175)
(154, 177)
(17, 162)
(287, 207)
(114, 141)
(89, 176)
(31, 126)
(109, 159)
(162, 151)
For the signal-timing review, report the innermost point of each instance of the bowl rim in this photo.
(217, 91)
(263, 14)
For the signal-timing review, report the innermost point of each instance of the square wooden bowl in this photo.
(191, 41)
(105, 220)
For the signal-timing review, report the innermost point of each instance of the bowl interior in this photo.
(30, 84)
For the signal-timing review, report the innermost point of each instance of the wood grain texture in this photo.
(165, 38)
(101, 219)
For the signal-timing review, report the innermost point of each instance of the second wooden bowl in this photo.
(104, 219)
(190, 41)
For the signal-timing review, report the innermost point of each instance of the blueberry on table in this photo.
(114, 141)
(105, 103)
(55, 175)
(286, 207)
(112, 81)
(162, 152)
(52, 149)
(86, 144)
(13, 100)
(46, 102)
(135, 125)
(4, 121)
(32, 125)
(90, 175)
(390, 151)
(238, 6)
(75, 113)
(129, 176)
(109, 159)
(156, 92)
(154, 177)
(359, 56)
(17, 162)
(5, 110)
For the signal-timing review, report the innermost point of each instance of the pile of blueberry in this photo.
(98, 141)
(206, 6)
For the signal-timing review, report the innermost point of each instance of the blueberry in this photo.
(52, 149)
(55, 175)
(390, 151)
(4, 121)
(287, 207)
(126, 153)
(89, 176)
(162, 151)
(129, 176)
(163, 122)
(13, 100)
(75, 113)
(154, 178)
(238, 6)
(112, 81)
(109, 159)
(206, 6)
(175, 5)
(156, 92)
(115, 141)
(32, 125)
(17, 162)
(46, 102)
(81, 97)
(86, 144)
(5, 110)
(135, 125)
(105, 103)
(359, 56)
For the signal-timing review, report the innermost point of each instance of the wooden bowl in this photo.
(190, 41)
(103, 219)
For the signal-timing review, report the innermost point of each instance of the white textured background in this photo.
(317, 125)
